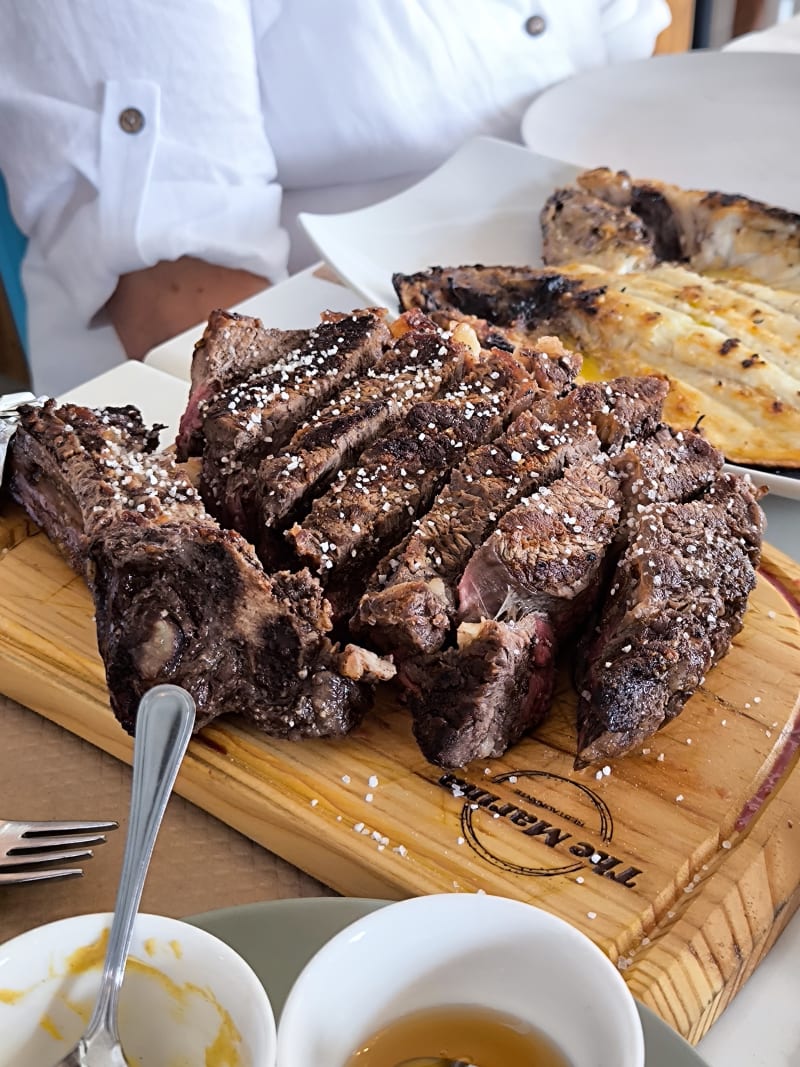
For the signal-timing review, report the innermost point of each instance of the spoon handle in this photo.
(164, 724)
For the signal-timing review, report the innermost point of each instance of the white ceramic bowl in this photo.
(460, 949)
(185, 992)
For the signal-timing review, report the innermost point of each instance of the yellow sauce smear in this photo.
(88, 956)
(224, 1050)
(50, 1028)
(11, 996)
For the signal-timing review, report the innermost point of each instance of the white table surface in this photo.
(762, 1026)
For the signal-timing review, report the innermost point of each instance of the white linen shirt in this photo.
(252, 110)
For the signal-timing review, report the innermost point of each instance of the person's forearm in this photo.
(149, 306)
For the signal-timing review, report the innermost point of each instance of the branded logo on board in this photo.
(563, 814)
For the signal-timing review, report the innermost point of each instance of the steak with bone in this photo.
(372, 507)
(256, 416)
(178, 599)
(676, 600)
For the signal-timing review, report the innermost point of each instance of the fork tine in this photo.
(38, 859)
(20, 877)
(37, 829)
(43, 844)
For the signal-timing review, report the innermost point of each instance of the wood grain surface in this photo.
(664, 862)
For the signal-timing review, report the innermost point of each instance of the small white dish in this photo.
(460, 949)
(187, 997)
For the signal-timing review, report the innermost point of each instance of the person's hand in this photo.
(151, 305)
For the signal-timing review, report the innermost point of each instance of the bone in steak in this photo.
(255, 417)
(676, 600)
(178, 599)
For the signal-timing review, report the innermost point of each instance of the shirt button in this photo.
(131, 120)
(535, 25)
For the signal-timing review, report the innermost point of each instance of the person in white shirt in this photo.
(157, 152)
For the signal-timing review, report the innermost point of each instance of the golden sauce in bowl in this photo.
(460, 1032)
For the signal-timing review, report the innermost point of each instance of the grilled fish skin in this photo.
(707, 230)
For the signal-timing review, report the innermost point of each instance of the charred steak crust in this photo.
(69, 509)
(676, 600)
(178, 599)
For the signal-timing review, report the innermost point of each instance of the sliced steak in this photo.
(670, 465)
(232, 347)
(474, 701)
(411, 602)
(677, 599)
(371, 508)
(414, 369)
(547, 554)
(178, 599)
(255, 417)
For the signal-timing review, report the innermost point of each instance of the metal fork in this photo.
(26, 847)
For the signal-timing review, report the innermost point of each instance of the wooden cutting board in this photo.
(664, 861)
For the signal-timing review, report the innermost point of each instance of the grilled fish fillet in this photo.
(621, 224)
(731, 360)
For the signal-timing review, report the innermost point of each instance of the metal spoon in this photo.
(164, 724)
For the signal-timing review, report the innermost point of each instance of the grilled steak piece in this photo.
(670, 465)
(231, 348)
(255, 417)
(413, 370)
(371, 508)
(474, 701)
(178, 599)
(547, 554)
(677, 599)
(74, 439)
(411, 602)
